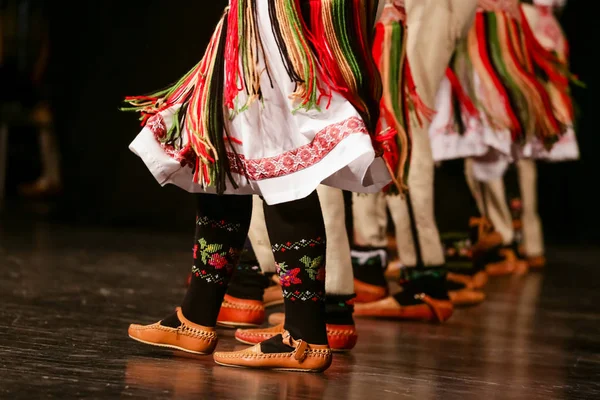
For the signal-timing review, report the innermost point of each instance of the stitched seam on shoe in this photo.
(341, 333)
(242, 307)
(188, 330)
(259, 334)
(310, 353)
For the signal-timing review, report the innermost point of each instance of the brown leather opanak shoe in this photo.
(241, 312)
(367, 293)
(189, 337)
(510, 264)
(536, 262)
(304, 357)
(429, 309)
(340, 337)
(476, 281)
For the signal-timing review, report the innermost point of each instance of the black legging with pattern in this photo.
(297, 234)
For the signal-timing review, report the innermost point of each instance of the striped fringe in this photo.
(462, 106)
(539, 119)
(494, 99)
(198, 101)
(552, 69)
(341, 36)
(330, 51)
(531, 83)
(389, 51)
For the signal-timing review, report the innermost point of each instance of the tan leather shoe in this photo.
(476, 281)
(340, 337)
(536, 262)
(487, 238)
(276, 318)
(240, 312)
(273, 296)
(466, 297)
(189, 337)
(431, 309)
(255, 336)
(304, 358)
(367, 293)
(510, 265)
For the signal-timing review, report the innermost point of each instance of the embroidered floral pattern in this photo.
(217, 261)
(300, 158)
(458, 248)
(218, 264)
(303, 295)
(314, 267)
(230, 227)
(269, 167)
(248, 267)
(208, 250)
(185, 156)
(298, 245)
(210, 277)
(288, 277)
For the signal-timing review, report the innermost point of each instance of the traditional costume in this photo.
(432, 31)
(509, 102)
(284, 99)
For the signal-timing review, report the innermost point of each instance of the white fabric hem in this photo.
(350, 159)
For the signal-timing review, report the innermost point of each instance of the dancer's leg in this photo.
(221, 228)
(533, 238)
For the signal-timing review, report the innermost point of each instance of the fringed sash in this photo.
(330, 51)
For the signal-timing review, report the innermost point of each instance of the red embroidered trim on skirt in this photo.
(282, 164)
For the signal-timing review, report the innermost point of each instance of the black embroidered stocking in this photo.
(297, 234)
(222, 224)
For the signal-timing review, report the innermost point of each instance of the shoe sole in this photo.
(269, 368)
(169, 346)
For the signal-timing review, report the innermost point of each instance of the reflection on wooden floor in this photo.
(68, 296)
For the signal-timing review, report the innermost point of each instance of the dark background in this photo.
(105, 50)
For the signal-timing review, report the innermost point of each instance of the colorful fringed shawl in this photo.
(517, 76)
(325, 46)
(400, 99)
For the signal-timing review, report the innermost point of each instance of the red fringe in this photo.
(548, 61)
(532, 79)
(232, 51)
(330, 71)
(421, 109)
(460, 94)
(516, 129)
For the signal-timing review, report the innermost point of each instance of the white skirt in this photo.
(286, 152)
(490, 148)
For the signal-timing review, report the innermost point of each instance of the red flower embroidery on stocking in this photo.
(217, 261)
(290, 278)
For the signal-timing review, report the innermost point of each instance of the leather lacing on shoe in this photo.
(194, 332)
(236, 306)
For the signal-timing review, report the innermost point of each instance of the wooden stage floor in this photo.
(68, 295)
